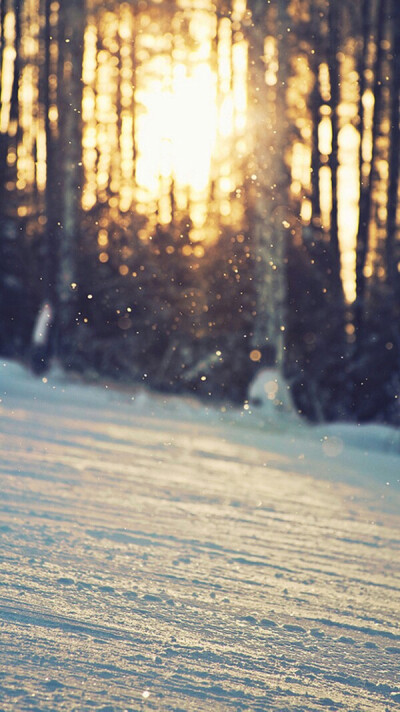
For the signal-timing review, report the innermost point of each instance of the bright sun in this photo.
(176, 145)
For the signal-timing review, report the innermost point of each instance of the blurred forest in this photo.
(201, 188)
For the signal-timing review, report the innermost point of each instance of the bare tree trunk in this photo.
(259, 188)
(2, 38)
(282, 183)
(366, 186)
(42, 338)
(268, 189)
(392, 273)
(363, 66)
(334, 72)
(364, 210)
(51, 176)
(3, 132)
(71, 36)
(14, 102)
(315, 105)
(14, 111)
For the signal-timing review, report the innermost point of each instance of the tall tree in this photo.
(392, 272)
(71, 38)
(282, 221)
(2, 36)
(9, 89)
(367, 177)
(51, 160)
(334, 74)
(269, 183)
(315, 101)
(259, 189)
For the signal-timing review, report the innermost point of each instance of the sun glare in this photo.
(175, 150)
(168, 109)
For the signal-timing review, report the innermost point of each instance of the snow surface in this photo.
(159, 554)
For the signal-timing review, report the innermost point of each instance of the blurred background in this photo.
(193, 190)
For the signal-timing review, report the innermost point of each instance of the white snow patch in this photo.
(159, 552)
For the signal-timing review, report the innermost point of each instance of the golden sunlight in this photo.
(7, 75)
(175, 150)
(167, 121)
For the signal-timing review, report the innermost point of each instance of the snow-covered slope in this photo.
(160, 554)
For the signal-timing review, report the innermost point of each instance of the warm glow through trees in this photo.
(218, 176)
(177, 145)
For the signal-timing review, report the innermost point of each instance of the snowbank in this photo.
(361, 455)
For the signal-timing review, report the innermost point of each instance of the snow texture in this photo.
(158, 554)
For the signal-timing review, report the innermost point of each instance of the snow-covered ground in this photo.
(158, 554)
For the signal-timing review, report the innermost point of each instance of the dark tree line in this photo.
(303, 279)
